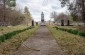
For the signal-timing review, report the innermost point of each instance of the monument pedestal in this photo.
(42, 24)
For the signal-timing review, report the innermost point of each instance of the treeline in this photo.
(76, 11)
(76, 14)
(10, 15)
(76, 8)
(62, 19)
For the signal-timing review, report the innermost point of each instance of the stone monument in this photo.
(42, 19)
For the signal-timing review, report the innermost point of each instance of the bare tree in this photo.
(76, 7)
(54, 15)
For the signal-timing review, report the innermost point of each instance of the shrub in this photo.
(69, 30)
(57, 28)
(72, 31)
(2, 38)
(76, 32)
(10, 34)
(82, 34)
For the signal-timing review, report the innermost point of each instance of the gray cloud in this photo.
(37, 6)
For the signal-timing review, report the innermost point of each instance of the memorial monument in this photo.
(42, 19)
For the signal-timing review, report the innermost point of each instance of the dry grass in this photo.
(4, 30)
(69, 27)
(71, 44)
(81, 28)
(7, 47)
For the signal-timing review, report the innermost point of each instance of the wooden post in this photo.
(83, 10)
(4, 15)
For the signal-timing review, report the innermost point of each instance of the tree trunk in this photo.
(83, 10)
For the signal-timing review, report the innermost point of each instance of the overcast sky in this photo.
(37, 6)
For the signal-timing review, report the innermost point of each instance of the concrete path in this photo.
(41, 43)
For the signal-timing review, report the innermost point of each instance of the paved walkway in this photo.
(41, 43)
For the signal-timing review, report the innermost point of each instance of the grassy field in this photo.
(71, 44)
(11, 45)
(4, 30)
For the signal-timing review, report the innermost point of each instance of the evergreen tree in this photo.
(27, 15)
(11, 3)
(26, 12)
